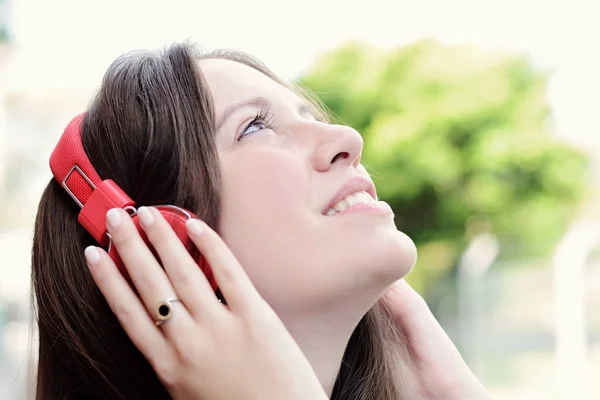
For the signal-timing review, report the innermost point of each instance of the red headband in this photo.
(74, 171)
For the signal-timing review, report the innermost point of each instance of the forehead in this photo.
(231, 82)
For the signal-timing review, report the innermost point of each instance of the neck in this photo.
(324, 336)
(323, 344)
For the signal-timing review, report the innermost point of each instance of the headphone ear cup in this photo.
(177, 218)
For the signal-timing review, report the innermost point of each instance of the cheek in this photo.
(263, 185)
(264, 212)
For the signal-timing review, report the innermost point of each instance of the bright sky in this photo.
(69, 43)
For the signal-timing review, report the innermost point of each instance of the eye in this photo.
(263, 120)
(253, 127)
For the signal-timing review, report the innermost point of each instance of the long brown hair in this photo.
(150, 128)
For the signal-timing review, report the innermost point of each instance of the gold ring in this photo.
(165, 311)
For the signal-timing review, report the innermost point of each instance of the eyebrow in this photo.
(260, 102)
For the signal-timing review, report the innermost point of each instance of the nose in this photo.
(337, 146)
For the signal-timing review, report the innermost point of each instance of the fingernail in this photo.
(145, 216)
(194, 226)
(113, 217)
(92, 255)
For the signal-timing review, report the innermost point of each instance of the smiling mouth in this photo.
(361, 197)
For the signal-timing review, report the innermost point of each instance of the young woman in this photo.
(309, 265)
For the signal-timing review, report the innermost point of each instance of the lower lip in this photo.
(378, 208)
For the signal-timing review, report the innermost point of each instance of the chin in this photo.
(392, 257)
(370, 266)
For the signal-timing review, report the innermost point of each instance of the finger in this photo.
(414, 317)
(404, 303)
(409, 309)
(187, 279)
(147, 275)
(236, 287)
(127, 307)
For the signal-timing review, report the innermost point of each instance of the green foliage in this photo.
(4, 34)
(458, 143)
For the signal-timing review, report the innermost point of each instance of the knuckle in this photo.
(146, 283)
(166, 371)
(189, 353)
(123, 312)
(261, 320)
(187, 357)
(228, 273)
(179, 274)
(228, 276)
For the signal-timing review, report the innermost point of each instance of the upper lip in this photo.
(351, 186)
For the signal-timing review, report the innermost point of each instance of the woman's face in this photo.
(282, 174)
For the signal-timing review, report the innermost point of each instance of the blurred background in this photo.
(481, 129)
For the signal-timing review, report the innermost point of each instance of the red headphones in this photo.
(74, 171)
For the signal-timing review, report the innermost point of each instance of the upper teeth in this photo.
(355, 198)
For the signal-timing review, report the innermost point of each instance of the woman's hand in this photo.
(206, 350)
(432, 366)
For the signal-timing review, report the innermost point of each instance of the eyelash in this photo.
(265, 118)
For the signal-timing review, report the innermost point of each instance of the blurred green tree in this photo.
(458, 142)
(4, 21)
